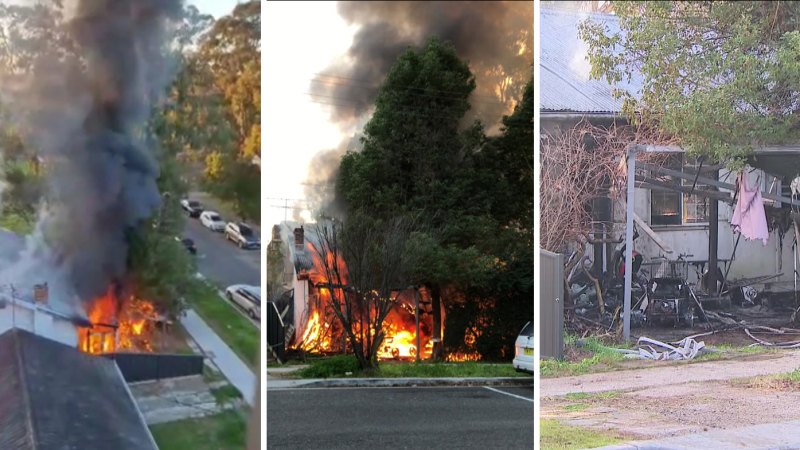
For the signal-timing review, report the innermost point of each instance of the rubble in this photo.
(687, 348)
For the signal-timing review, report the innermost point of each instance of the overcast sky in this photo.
(216, 8)
(302, 39)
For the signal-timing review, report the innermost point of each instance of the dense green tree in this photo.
(471, 195)
(721, 76)
(226, 73)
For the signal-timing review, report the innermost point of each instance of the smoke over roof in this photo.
(86, 114)
(493, 37)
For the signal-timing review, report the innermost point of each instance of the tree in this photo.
(471, 194)
(412, 147)
(226, 71)
(721, 76)
(363, 265)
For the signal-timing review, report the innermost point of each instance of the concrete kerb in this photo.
(397, 382)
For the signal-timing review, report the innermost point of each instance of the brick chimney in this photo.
(299, 238)
(276, 233)
(41, 293)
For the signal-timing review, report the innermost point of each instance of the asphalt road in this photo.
(400, 418)
(221, 261)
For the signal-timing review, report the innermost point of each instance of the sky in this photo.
(296, 128)
(216, 8)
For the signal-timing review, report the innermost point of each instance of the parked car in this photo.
(242, 235)
(247, 297)
(192, 207)
(212, 221)
(523, 354)
(188, 244)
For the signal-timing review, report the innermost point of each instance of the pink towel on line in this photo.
(749, 217)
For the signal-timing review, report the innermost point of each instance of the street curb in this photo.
(400, 382)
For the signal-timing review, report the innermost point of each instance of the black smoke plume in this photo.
(86, 115)
(495, 38)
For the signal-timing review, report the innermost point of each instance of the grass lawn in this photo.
(226, 394)
(18, 223)
(590, 356)
(339, 366)
(223, 431)
(789, 381)
(232, 327)
(557, 436)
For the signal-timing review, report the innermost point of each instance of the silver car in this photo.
(246, 297)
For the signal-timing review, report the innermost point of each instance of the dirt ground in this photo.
(675, 399)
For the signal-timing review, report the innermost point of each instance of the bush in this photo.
(331, 367)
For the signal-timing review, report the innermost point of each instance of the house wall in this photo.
(300, 308)
(752, 258)
(37, 321)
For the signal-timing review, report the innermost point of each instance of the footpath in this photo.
(216, 350)
(714, 404)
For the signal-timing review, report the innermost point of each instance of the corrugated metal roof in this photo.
(565, 85)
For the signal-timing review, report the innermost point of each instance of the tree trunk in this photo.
(436, 303)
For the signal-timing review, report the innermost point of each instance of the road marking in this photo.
(509, 394)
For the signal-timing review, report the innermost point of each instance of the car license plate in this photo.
(527, 351)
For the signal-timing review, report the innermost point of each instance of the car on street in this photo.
(523, 354)
(242, 235)
(192, 207)
(246, 297)
(212, 221)
(188, 244)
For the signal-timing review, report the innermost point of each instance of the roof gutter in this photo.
(135, 405)
(571, 115)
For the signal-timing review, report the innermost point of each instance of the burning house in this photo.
(306, 305)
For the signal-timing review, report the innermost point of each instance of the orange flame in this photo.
(117, 325)
(322, 332)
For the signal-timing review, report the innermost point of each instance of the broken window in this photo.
(665, 207)
(695, 207)
(676, 208)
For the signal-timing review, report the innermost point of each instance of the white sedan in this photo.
(523, 354)
(247, 297)
(212, 221)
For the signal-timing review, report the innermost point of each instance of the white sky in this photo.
(216, 8)
(301, 39)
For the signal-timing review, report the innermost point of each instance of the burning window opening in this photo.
(321, 332)
(119, 323)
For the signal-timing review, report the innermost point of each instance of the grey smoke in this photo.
(86, 117)
(495, 38)
(486, 34)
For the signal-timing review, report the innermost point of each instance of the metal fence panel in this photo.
(156, 366)
(276, 334)
(551, 305)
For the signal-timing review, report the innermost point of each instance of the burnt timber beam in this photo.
(689, 175)
(652, 183)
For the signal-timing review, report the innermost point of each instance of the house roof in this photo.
(565, 85)
(53, 397)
